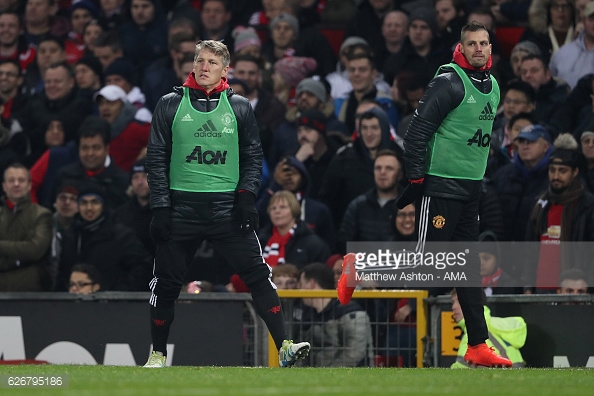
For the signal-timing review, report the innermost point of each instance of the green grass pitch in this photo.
(129, 381)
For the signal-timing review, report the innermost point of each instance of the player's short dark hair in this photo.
(473, 26)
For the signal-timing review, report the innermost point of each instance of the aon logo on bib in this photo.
(207, 157)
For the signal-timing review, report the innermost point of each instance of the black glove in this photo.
(411, 193)
(247, 211)
(160, 225)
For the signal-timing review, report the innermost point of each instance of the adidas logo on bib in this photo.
(487, 113)
(471, 100)
(186, 118)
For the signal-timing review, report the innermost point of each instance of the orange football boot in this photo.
(482, 355)
(348, 280)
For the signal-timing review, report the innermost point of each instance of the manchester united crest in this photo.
(438, 221)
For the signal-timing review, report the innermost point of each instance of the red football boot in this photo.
(482, 355)
(348, 280)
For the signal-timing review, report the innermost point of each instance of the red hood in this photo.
(461, 61)
(191, 83)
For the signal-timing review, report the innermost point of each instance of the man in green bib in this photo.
(204, 162)
(445, 150)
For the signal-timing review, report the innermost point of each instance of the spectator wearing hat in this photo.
(120, 72)
(88, 74)
(94, 166)
(66, 207)
(564, 213)
(518, 53)
(340, 86)
(495, 280)
(128, 135)
(144, 35)
(111, 247)
(350, 172)
(246, 41)
(25, 234)
(367, 23)
(310, 94)
(287, 38)
(576, 59)
(81, 13)
(423, 51)
(59, 98)
(521, 181)
(369, 217)
(136, 212)
(290, 174)
(269, 111)
(587, 147)
(288, 72)
(13, 43)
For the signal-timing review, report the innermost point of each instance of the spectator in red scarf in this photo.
(288, 239)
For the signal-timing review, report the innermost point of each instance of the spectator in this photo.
(120, 72)
(551, 25)
(95, 167)
(285, 276)
(50, 51)
(215, 17)
(451, 17)
(362, 72)
(60, 98)
(423, 51)
(587, 144)
(269, 111)
(501, 156)
(521, 181)
(84, 279)
(111, 247)
(576, 59)
(247, 41)
(9, 147)
(350, 172)
(563, 213)
(91, 32)
(340, 85)
(66, 206)
(25, 235)
(287, 39)
(395, 32)
(128, 134)
(415, 89)
(291, 175)
(520, 50)
(81, 13)
(368, 217)
(40, 20)
(506, 335)
(270, 10)
(573, 282)
(367, 22)
(519, 98)
(163, 74)
(551, 92)
(13, 100)
(494, 279)
(311, 94)
(113, 13)
(288, 239)
(136, 213)
(144, 35)
(88, 74)
(288, 72)
(108, 47)
(340, 335)
(12, 43)
(404, 224)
